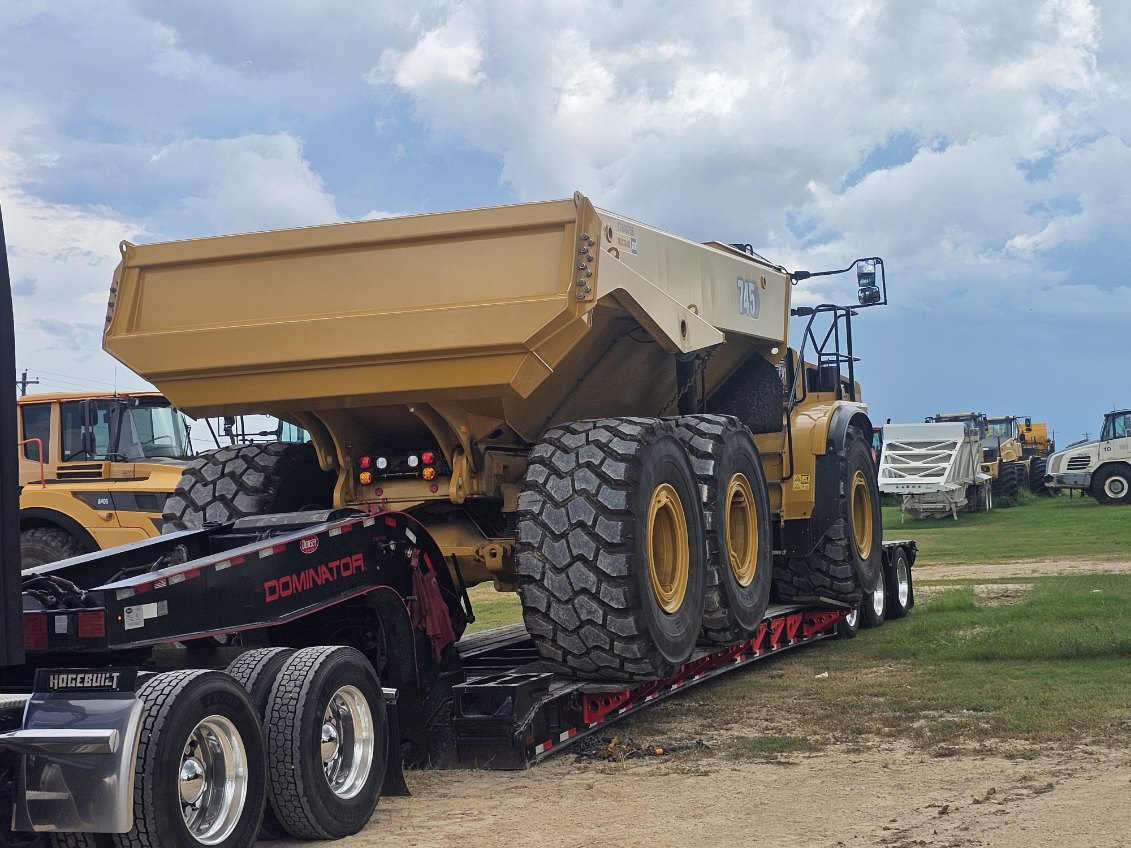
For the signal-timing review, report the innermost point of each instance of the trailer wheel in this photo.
(847, 561)
(736, 508)
(849, 625)
(874, 604)
(611, 549)
(41, 545)
(235, 482)
(897, 573)
(1112, 484)
(327, 739)
(200, 770)
(256, 671)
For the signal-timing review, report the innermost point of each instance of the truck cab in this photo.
(95, 470)
(1102, 467)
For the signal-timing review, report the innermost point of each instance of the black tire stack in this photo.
(736, 509)
(601, 497)
(596, 497)
(242, 480)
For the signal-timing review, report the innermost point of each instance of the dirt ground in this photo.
(883, 795)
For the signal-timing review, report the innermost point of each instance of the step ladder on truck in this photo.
(268, 665)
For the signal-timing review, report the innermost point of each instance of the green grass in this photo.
(493, 609)
(1054, 669)
(1041, 527)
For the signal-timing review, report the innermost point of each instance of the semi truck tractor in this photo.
(549, 397)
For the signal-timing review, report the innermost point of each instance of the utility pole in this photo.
(24, 382)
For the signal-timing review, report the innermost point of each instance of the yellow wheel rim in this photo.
(669, 554)
(861, 506)
(741, 530)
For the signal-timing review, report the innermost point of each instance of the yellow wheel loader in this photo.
(95, 470)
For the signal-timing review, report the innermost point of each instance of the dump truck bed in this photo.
(459, 306)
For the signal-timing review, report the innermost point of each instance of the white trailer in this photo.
(934, 468)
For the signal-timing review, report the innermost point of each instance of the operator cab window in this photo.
(71, 417)
(36, 419)
(1119, 427)
(80, 441)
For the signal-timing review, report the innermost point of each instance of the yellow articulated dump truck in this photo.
(597, 414)
(94, 470)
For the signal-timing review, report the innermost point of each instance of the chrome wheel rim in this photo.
(902, 583)
(878, 599)
(212, 780)
(348, 742)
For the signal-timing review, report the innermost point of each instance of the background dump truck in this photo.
(488, 395)
(95, 469)
(1102, 467)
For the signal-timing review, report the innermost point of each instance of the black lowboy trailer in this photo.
(125, 644)
(271, 676)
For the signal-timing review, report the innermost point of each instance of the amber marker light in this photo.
(365, 477)
(429, 473)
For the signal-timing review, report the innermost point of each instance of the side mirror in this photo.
(867, 290)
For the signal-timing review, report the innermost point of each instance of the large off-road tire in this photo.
(736, 509)
(327, 743)
(611, 549)
(847, 561)
(234, 482)
(1008, 482)
(41, 545)
(200, 768)
(1112, 484)
(1038, 467)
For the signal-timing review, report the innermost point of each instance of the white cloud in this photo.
(254, 182)
(447, 55)
(981, 147)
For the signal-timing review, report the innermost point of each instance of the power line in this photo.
(24, 382)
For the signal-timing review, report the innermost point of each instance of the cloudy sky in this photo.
(979, 146)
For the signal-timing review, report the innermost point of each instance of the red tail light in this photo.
(364, 462)
(35, 631)
(428, 457)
